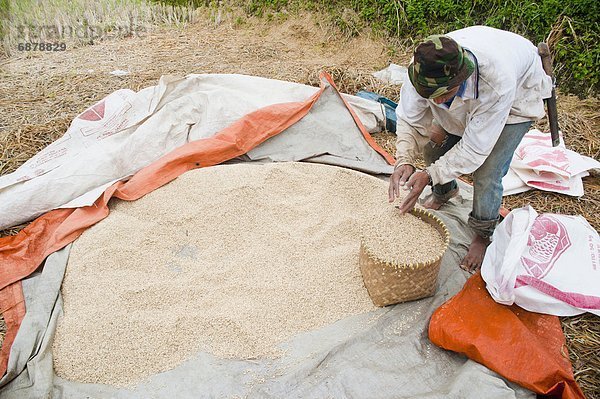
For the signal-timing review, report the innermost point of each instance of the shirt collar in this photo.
(468, 90)
(459, 93)
(471, 89)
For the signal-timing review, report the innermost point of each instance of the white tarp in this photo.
(392, 74)
(127, 131)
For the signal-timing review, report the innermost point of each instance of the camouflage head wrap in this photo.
(439, 65)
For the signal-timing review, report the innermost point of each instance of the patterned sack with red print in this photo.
(544, 263)
(536, 164)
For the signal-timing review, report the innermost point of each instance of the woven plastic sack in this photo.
(537, 164)
(544, 263)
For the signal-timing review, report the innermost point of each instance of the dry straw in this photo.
(583, 334)
(77, 22)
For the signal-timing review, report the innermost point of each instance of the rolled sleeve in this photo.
(413, 118)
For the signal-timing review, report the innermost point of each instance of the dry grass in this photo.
(2, 329)
(41, 93)
(588, 205)
(583, 334)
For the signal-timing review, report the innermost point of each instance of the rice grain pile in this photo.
(231, 259)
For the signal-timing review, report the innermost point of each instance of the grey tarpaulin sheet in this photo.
(382, 354)
(327, 134)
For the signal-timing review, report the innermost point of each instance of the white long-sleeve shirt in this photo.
(508, 86)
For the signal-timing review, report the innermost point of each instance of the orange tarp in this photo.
(12, 305)
(524, 347)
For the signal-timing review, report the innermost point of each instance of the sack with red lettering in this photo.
(544, 263)
(537, 164)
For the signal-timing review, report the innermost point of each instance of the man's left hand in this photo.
(416, 184)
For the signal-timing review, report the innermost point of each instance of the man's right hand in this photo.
(397, 180)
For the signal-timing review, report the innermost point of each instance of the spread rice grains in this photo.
(231, 259)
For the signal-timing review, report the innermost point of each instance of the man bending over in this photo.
(472, 96)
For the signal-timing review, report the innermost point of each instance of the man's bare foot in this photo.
(472, 262)
(434, 202)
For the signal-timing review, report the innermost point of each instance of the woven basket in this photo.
(389, 283)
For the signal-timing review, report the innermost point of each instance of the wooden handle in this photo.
(544, 52)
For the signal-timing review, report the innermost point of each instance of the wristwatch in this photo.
(430, 182)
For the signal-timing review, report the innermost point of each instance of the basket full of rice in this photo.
(393, 269)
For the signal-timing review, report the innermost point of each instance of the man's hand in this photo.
(415, 184)
(398, 179)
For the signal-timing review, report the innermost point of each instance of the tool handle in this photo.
(544, 52)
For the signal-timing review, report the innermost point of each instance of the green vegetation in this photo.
(571, 27)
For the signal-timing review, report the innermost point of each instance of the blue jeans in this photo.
(487, 180)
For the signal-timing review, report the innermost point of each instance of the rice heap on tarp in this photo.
(232, 260)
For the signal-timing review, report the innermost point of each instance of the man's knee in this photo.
(437, 145)
(498, 162)
(437, 134)
(492, 170)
